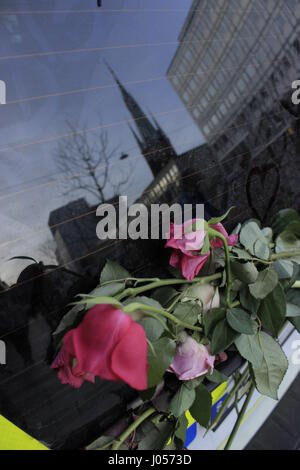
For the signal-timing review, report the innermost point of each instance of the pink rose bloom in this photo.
(187, 246)
(107, 344)
(221, 357)
(191, 359)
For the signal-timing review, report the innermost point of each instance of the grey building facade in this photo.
(233, 69)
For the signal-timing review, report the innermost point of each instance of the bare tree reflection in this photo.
(86, 165)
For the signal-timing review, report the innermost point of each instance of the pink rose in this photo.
(107, 344)
(191, 359)
(221, 357)
(188, 243)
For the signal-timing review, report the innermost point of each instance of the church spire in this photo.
(145, 127)
(152, 141)
(136, 137)
(158, 126)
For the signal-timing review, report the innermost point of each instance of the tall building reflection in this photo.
(232, 69)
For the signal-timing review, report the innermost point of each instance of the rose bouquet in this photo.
(166, 337)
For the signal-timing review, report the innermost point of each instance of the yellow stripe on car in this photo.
(13, 438)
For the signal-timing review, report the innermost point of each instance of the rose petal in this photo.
(231, 240)
(191, 360)
(175, 259)
(94, 340)
(222, 357)
(64, 362)
(129, 358)
(192, 265)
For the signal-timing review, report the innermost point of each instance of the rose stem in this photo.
(132, 427)
(240, 418)
(164, 313)
(285, 255)
(137, 280)
(227, 399)
(133, 291)
(219, 235)
(170, 308)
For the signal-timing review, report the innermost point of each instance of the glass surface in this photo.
(173, 101)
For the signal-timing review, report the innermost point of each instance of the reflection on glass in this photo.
(187, 104)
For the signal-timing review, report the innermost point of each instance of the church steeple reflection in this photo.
(151, 139)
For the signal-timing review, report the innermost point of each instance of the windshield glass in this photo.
(176, 101)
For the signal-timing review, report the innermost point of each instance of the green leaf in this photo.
(245, 272)
(194, 383)
(153, 323)
(240, 321)
(283, 219)
(134, 305)
(187, 312)
(182, 400)
(268, 233)
(241, 254)
(294, 228)
(295, 321)
(158, 364)
(293, 303)
(143, 300)
(91, 301)
(272, 311)
(181, 427)
(201, 408)
(102, 441)
(265, 283)
(288, 283)
(212, 318)
(261, 249)
(71, 319)
(157, 436)
(112, 271)
(249, 302)
(217, 220)
(287, 241)
(216, 377)
(108, 290)
(223, 336)
(249, 235)
(284, 268)
(164, 295)
(237, 228)
(292, 310)
(268, 361)
(153, 328)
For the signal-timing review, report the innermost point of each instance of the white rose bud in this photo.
(207, 294)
